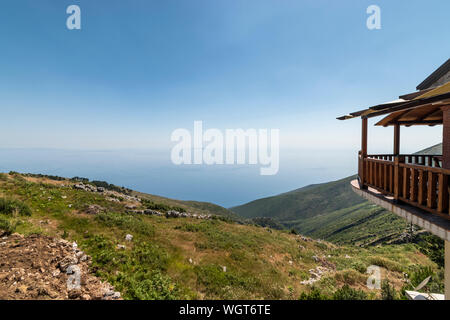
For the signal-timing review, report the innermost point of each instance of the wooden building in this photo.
(415, 187)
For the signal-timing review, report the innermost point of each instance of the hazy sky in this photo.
(139, 69)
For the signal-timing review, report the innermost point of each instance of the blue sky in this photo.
(137, 70)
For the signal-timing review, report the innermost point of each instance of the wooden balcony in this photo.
(417, 180)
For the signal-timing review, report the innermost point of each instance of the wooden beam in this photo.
(409, 105)
(427, 114)
(396, 139)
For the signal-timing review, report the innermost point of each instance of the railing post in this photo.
(398, 176)
(363, 153)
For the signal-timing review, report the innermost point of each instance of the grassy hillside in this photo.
(187, 258)
(304, 202)
(330, 211)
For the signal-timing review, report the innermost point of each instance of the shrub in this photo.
(420, 274)
(109, 186)
(191, 227)
(80, 179)
(138, 272)
(314, 294)
(150, 285)
(386, 263)
(433, 247)
(350, 277)
(125, 222)
(267, 222)
(348, 293)
(6, 226)
(387, 291)
(10, 206)
(160, 206)
(218, 283)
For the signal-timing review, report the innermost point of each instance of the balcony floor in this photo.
(425, 220)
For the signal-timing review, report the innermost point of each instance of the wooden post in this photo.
(363, 152)
(446, 165)
(447, 270)
(396, 139)
(446, 137)
(364, 136)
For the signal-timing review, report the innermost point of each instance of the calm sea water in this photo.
(151, 171)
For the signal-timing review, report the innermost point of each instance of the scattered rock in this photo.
(41, 267)
(66, 262)
(94, 209)
(74, 294)
(128, 237)
(172, 214)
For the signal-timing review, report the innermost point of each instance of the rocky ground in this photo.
(41, 267)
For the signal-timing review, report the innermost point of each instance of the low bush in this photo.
(6, 227)
(160, 206)
(388, 291)
(137, 272)
(125, 222)
(151, 285)
(433, 247)
(12, 206)
(386, 263)
(314, 294)
(348, 293)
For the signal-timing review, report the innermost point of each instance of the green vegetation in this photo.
(329, 211)
(267, 222)
(6, 227)
(185, 258)
(343, 293)
(161, 206)
(388, 292)
(108, 186)
(14, 207)
(314, 294)
(348, 293)
(434, 248)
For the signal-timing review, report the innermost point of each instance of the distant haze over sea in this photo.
(152, 172)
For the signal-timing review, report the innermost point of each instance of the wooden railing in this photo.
(417, 180)
(430, 160)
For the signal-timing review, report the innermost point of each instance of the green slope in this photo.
(304, 202)
(330, 211)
